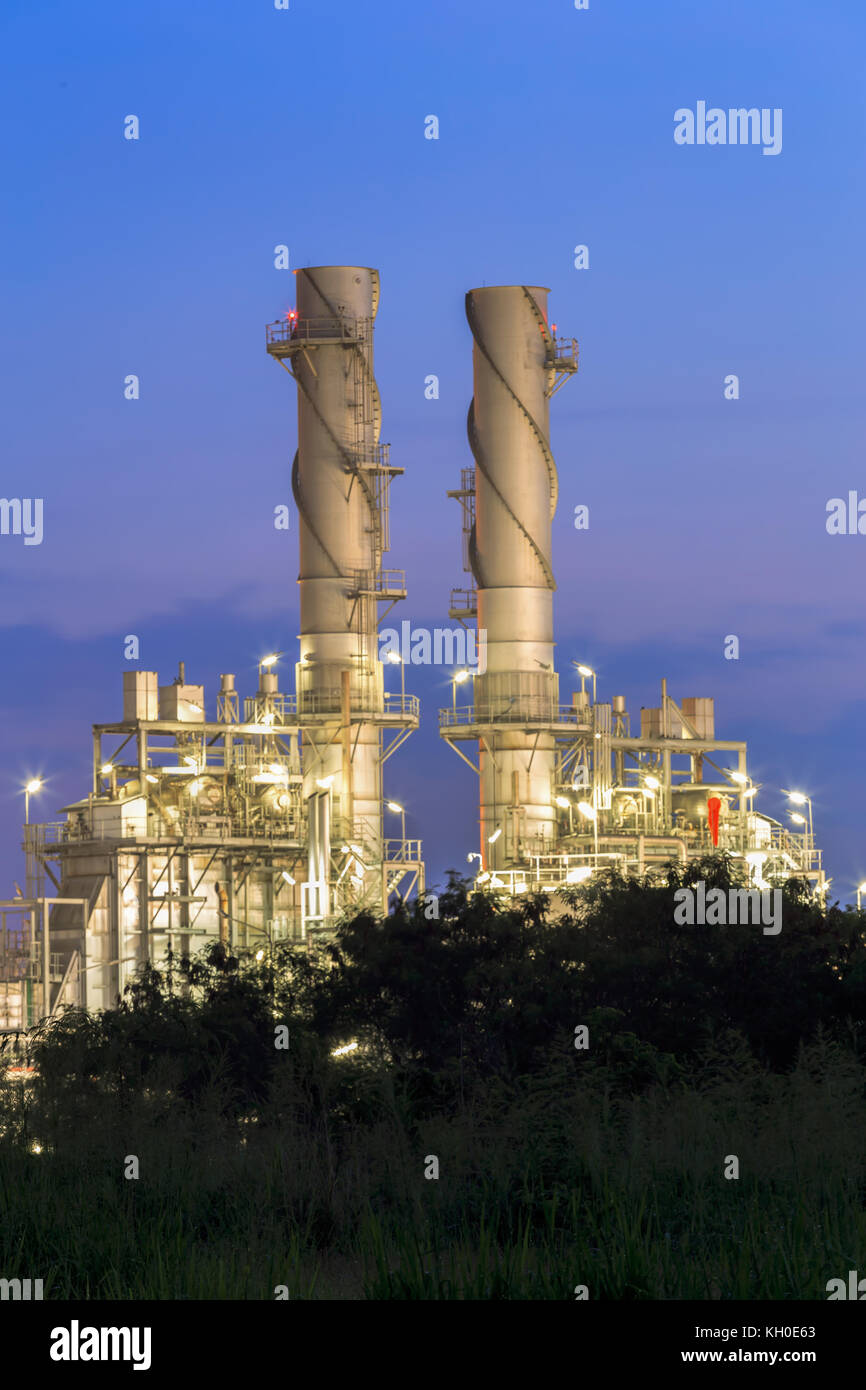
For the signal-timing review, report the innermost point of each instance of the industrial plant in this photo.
(566, 790)
(265, 819)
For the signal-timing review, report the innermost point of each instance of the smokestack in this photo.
(334, 481)
(341, 476)
(510, 552)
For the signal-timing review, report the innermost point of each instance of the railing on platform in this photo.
(286, 708)
(401, 851)
(300, 331)
(565, 354)
(385, 584)
(498, 713)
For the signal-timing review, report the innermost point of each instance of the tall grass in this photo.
(543, 1186)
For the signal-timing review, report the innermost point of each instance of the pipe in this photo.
(346, 716)
(46, 961)
(223, 899)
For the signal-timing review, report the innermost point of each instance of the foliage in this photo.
(262, 1165)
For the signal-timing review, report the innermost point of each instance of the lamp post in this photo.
(399, 811)
(34, 785)
(747, 790)
(397, 660)
(861, 888)
(651, 785)
(491, 840)
(584, 672)
(269, 660)
(801, 820)
(565, 804)
(589, 813)
(457, 679)
(800, 799)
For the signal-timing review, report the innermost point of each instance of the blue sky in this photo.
(306, 127)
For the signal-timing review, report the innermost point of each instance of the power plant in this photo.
(566, 790)
(264, 820)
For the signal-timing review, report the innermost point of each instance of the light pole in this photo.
(565, 804)
(800, 799)
(651, 785)
(801, 820)
(269, 660)
(589, 813)
(861, 888)
(584, 672)
(457, 679)
(491, 840)
(747, 790)
(399, 811)
(34, 785)
(396, 660)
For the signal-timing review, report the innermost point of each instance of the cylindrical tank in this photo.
(336, 489)
(510, 553)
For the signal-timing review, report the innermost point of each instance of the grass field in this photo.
(542, 1187)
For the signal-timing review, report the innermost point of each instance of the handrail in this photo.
(300, 331)
(384, 582)
(565, 352)
(556, 714)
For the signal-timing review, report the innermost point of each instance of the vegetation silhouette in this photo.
(265, 1165)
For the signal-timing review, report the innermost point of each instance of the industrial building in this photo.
(263, 819)
(566, 790)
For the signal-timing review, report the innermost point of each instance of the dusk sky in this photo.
(260, 127)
